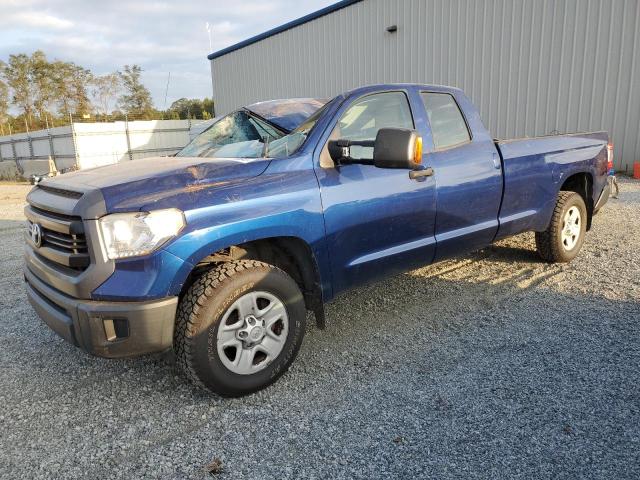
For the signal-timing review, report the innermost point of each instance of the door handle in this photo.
(420, 174)
(496, 162)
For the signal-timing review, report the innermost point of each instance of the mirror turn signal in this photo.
(417, 154)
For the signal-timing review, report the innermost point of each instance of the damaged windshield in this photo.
(243, 134)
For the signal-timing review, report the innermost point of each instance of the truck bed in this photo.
(533, 170)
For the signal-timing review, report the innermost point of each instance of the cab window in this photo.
(448, 127)
(367, 115)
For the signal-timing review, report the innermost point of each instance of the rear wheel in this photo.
(239, 327)
(563, 239)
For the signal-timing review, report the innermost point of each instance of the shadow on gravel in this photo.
(479, 366)
(506, 254)
(420, 307)
(502, 371)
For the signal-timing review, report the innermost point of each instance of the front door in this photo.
(378, 221)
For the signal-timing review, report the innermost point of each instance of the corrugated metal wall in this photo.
(531, 66)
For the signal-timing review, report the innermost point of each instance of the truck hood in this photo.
(158, 182)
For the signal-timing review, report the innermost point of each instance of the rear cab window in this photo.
(448, 126)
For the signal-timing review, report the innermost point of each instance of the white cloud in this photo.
(35, 20)
(160, 36)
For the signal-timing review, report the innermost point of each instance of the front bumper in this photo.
(105, 329)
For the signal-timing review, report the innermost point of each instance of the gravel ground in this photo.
(491, 365)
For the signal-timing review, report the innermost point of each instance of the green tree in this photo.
(4, 96)
(61, 86)
(171, 115)
(192, 108)
(137, 99)
(70, 83)
(19, 78)
(207, 106)
(81, 80)
(41, 75)
(41, 88)
(183, 107)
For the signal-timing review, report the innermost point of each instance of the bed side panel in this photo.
(536, 168)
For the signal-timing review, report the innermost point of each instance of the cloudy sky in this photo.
(160, 36)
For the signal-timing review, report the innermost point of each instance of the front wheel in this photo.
(239, 327)
(563, 239)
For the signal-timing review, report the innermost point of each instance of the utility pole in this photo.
(166, 92)
(75, 141)
(208, 27)
(29, 140)
(126, 132)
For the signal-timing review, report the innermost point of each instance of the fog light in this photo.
(115, 328)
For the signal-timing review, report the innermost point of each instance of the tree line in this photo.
(37, 93)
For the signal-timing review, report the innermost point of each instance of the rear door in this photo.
(378, 221)
(468, 175)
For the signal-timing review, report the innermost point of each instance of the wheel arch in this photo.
(290, 253)
(582, 184)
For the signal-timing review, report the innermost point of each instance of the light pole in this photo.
(208, 27)
(166, 92)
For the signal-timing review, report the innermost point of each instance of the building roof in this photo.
(283, 28)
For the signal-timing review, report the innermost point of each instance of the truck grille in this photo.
(64, 242)
(58, 239)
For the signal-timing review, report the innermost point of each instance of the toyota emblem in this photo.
(36, 235)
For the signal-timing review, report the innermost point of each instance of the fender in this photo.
(291, 209)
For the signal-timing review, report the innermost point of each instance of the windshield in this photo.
(243, 134)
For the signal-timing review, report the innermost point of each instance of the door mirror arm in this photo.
(340, 151)
(392, 148)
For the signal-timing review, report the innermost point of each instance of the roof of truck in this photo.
(287, 113)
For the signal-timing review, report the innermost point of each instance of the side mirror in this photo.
(397, 148)
(392, 148)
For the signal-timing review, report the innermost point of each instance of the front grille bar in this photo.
(54, 221)
(71, 260)
(76, 247)
(62, 238)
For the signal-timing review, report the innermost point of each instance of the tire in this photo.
(215, 304)
(557, 244)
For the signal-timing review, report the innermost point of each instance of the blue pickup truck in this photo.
(220, 251)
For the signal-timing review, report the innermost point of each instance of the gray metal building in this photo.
(533, 67)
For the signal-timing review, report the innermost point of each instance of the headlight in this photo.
(138, 233)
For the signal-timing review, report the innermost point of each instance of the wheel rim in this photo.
(571, 226)
(252, 332)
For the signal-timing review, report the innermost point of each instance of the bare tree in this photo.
(137, 98)
(105, 91)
